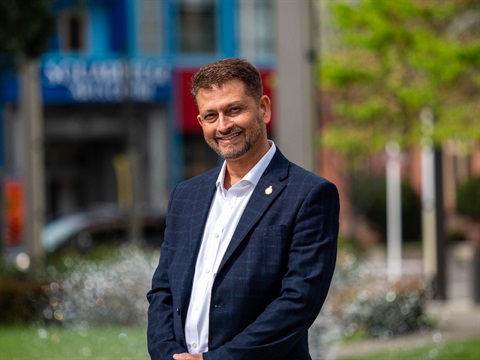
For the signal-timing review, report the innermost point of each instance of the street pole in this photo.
(295, 93)
(134, 221)
(34, 158)
(394, 211)
(433, 233)
(2, 184)
(428, 211)
(440, 285)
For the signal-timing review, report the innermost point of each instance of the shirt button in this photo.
(194, 345)
(216, 235)
(207, 271)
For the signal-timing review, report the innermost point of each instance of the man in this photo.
(250, 247)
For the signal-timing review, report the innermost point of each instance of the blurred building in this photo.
(118, 115)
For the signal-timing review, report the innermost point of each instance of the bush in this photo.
(20, 300)
(387, 309)
(110, 291)
(468, 198)
(74, 288)
(370, 199)
(363, 303)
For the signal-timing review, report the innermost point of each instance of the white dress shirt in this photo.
(226, 209)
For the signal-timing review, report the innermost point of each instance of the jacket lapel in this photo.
(200, 200)
(269, 187)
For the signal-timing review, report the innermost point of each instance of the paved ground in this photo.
(457, 317)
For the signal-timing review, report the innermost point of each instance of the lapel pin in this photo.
(269, 190)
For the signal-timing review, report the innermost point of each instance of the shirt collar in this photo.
(253, 176)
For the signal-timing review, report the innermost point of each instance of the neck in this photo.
(236, 169)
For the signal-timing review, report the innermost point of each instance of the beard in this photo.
(252, 138)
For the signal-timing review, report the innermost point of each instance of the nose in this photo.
(224, 123)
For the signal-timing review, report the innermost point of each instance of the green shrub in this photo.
(455, 235)
(101, 290)
(364, 303)
(468, 198)
(102, 287)
(380, 309)
(20, 300)
(369, 198)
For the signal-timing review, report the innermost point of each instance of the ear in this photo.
(199, 119)
(265, 109)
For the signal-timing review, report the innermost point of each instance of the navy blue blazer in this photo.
(273, 279)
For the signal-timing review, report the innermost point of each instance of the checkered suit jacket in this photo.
(273, 279)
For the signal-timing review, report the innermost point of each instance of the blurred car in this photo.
(87, 229)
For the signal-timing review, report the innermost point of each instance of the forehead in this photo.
(232, 89)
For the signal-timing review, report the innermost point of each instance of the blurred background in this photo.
(97, 125)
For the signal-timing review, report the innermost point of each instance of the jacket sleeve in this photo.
(161, 339)
(310, 267)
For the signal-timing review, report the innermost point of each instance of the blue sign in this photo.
(111, 80)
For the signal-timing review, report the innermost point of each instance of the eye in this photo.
(210, 117)
(234, 110)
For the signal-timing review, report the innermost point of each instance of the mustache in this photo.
(231, 130)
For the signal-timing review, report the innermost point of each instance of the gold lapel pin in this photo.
(269, 190)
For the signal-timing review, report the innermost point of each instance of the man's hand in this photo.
(187, 356)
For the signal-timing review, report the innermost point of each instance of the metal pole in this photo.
(428, 198)
(295, 94)
(440, 288)
(434, 245)
(394, 211)
(428, 212)
(34, 159)
(2, 185)
(134, 221)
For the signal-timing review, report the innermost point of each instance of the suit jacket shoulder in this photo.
(204, 179)
(284, 170)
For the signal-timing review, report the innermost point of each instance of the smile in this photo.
(227, 138)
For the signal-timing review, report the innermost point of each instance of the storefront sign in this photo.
(13, 211)
(105, 80)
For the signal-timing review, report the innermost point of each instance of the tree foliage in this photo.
(468, 198)
(392, 60)
(26, 27)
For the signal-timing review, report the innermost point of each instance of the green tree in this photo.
(26, 27)
(392, 59)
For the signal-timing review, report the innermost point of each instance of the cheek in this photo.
(208, 131)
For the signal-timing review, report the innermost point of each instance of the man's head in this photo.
(222, 71)
(233, 113)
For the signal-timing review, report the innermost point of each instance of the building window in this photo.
(195, 26)
(257, 28)
(71, 30)
(150, 31)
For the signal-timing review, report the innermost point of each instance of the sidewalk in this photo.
(457, 317)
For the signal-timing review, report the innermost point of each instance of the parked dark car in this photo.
(84, 230)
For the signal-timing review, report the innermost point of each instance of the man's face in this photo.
(233, 123)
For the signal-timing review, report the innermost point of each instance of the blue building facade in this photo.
(115, 82)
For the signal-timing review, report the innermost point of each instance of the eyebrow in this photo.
(239, 103)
